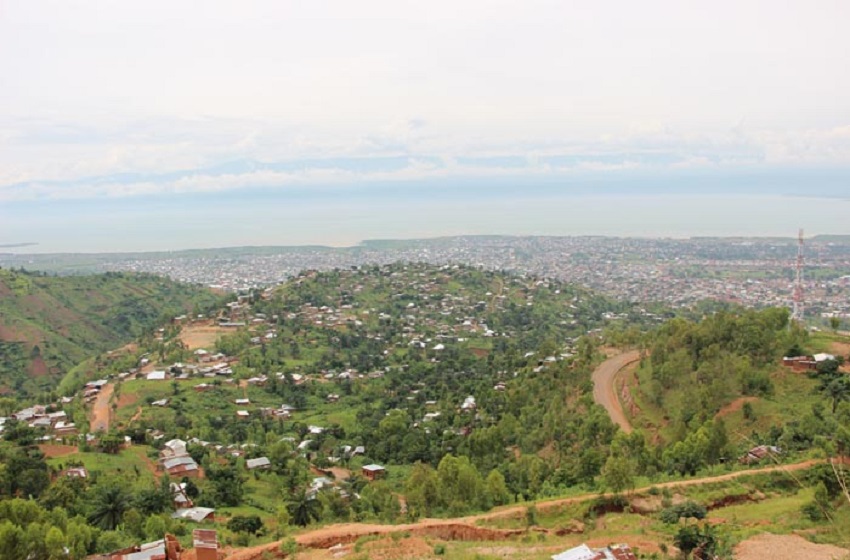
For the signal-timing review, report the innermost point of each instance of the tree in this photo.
(618, 473)
(422, 489)
(245, 524)
(497, 490)
(111, 443)
(108, 506)
(11, 541)
(701, 540)
(834, 323)
(304, 508)
(54, 541)
(155, 527)
(838, 390)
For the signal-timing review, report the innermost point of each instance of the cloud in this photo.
(58, 160)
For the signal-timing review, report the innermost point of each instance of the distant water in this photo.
(345, 218)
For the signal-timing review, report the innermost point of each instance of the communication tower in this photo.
(799, 305)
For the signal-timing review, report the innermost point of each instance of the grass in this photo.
(131, 460)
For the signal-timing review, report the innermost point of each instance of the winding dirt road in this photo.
(464, 528)
(101, 412)
(605, 387)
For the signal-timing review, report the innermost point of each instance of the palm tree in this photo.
(304, 508)
(109, 506)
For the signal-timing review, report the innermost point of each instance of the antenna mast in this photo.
(799, 307)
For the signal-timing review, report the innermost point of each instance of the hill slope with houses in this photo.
(384, 395)
(50, 324)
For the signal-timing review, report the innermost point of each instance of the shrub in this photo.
(439, 549)
(245, 524)
(289, 546)
(672, 514)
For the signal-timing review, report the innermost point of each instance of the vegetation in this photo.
(472, 388)
(50, 324)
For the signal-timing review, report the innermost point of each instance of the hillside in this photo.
(376, 399)
(49, 324)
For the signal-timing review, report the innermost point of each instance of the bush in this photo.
(687, 509)
(289, 546)
(245, 524)
(439, 549)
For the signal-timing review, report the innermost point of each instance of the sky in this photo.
(154, 109)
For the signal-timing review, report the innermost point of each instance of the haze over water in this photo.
(340, 220)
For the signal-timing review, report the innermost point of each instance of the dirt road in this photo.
(464, 528)
(605, 389)
(101, 413)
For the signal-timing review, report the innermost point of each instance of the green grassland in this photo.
(50, 324)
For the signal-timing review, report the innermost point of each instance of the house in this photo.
(65, 429)
(174, 448)
(758, 453)
(258, 463)
(242, 414)
(332, 398)
(179, 497)
(205, 542)
(584, 552)
(242, 401)
(76, 472)
(799, 363)
(181, 466)
(468, 403)
(373, 472)
(196, 514)
(161, 402)
(158, 375)
(163, 549)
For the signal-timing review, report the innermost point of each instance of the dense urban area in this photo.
(754, 272)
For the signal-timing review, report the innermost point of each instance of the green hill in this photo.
(49, 324)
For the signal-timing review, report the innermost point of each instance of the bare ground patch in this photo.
(202, 335)
(51, 451)
(787, 547)
(734, 406)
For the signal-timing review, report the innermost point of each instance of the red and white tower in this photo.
(799, 305)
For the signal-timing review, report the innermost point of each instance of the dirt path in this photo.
(101, 413)
(605, 389)
(464, 528)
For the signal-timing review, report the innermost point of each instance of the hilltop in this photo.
(49, 324)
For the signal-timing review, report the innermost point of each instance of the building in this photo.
(76, 472)
(374, 472)
(205, 542)
(181, 466)
(258, 463)
(584, 552)
(163, 549)
(196, 514)
(758, 453)
(174, 448)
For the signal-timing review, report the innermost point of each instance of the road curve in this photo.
(605, 390)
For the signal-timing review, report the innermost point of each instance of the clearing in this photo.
(202, 335)
(734, 406)
(52, 451)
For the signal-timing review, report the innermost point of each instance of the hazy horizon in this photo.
(127, 126)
